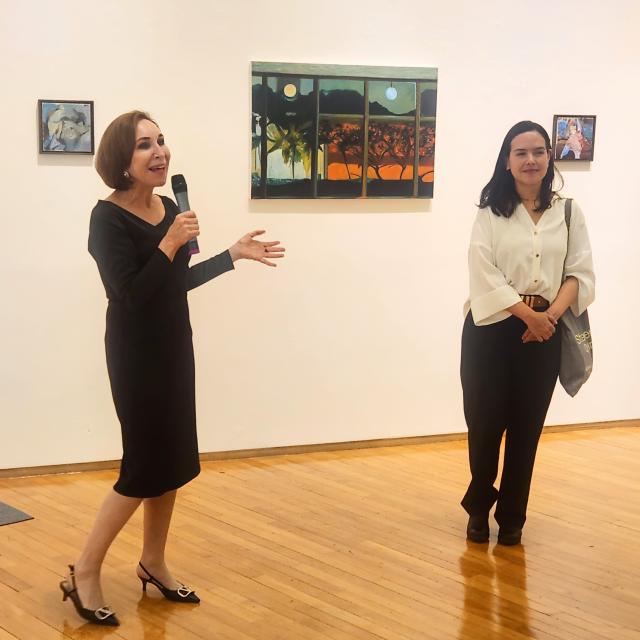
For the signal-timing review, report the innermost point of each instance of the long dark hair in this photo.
(500, 192)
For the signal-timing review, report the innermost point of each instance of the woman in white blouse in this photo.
(510, 348)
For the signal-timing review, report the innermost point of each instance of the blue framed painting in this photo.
(65, 126)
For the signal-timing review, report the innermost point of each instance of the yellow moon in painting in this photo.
(290, 90)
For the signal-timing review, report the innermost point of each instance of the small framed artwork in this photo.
(573, 137)
(65, 126)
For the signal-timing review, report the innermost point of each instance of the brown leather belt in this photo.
(535, 302)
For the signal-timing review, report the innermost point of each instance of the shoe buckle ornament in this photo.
(103, 613)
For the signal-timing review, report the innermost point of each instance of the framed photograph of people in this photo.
(573, 137)
(65, 126)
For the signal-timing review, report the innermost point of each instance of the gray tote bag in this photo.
(576, 348)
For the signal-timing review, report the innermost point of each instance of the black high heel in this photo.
(102, 616)
(181, 594)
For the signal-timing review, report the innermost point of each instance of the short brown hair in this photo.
(116, 148)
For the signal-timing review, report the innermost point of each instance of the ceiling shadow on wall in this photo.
(339, 206)
(65, 160)
(573, 166)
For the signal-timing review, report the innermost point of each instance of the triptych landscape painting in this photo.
(339, 131)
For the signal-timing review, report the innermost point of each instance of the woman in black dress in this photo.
(138, 240)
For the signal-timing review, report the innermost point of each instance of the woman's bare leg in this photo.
(113, 515)
(157, 518)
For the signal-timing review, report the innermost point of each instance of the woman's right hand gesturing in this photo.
(184, 228)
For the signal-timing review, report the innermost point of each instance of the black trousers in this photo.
(507, 386)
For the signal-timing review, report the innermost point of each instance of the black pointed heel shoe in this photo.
(181, 594)
(509, 536)
(478, 529)
(102, 616)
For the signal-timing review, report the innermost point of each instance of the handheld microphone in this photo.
(179, 186)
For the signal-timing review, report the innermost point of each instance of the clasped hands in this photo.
(541, 325)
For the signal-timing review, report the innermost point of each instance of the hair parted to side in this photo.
(500, 192)
(116, 148)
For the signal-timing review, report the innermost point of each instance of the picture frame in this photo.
(66, 126)
(573, 138)
(342, 131)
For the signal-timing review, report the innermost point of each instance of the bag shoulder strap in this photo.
(567, 211)
(567, 219)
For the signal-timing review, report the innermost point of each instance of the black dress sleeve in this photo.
(209, 269)
(115, 253)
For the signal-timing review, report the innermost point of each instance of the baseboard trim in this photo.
(21, 472)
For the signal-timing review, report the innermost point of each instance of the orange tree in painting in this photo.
(389, 145)
(392, 144)
(427, 144)
(346, 137)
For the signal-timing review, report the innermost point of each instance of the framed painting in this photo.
(65, 126)
(573, 137)
(341, 131)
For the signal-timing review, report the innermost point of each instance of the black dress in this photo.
(149, 347)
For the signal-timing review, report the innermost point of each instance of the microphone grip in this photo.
(183, 205)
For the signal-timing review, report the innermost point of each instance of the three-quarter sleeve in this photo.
(209, 269)
(489, 291)
(579, 261)
(115, 254)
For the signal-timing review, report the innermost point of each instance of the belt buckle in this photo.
(533, 300)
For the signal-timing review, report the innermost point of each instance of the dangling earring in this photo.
(126, 175)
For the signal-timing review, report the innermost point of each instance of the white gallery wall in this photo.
(356, 334)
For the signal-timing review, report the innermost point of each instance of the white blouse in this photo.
(512, 256)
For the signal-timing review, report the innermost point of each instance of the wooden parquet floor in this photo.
(348, 545)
